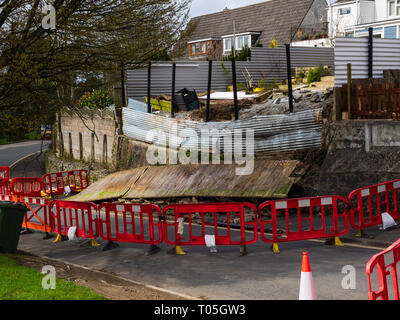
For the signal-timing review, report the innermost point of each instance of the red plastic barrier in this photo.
(27, 187)
(55, 183)
(385, 262)
(230, 210)
(4, 173)
(130, 223)
(371, 202)
(7, 198)
(315, 211)
(82, 215)
(41, 213)
(5, 188)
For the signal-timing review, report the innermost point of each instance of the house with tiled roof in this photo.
(275, 21)
(353, 18)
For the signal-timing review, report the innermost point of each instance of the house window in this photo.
(394, 8)
(228, 44)
(200, 48)
(239, 42)
(344, 11)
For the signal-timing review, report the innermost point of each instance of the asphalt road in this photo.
(9, 153)
(31, 166)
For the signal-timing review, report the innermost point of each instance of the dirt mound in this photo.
(223, 110)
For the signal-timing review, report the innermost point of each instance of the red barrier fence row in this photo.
(371, 202)
(140, 223)
(30, 187)
(365, 205)
(51, 184)
(148, 224)
(304, 219)
(385, 263)
(208, 214)
(82, 215)
(362, 210)
(55, 183)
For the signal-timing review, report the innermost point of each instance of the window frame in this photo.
(237, 38)
(206, 44)
(396, 4)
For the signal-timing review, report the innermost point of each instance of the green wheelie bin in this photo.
(11, 218)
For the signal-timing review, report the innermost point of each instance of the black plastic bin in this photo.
(187, 100)
(11, 218)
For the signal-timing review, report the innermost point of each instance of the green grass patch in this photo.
(21, 283)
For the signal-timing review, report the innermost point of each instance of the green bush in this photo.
(315, 74)
(97, 99)
(240, 55)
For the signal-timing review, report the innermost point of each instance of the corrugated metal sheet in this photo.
(299, 130)
(300, 56)
(270, 179)
(268, 64)
(355, 51)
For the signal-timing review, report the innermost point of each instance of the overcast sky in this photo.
(201, 7)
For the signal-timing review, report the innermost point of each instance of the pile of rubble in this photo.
(279, 103)
(275, 102)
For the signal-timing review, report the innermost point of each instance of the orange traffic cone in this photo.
(307, 291)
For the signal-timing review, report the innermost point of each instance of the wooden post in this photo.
(349, 91)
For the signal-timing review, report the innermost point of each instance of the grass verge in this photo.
(21, 283)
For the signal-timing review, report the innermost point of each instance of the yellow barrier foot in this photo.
(275, 248)
(58, 239)
(338, 242)
(93, 243)
(179, 251)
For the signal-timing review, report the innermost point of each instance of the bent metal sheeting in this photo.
(269, 179)
(272, 133)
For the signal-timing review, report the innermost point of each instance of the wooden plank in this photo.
(269, 179)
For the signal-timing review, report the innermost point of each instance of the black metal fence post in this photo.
(235, 99)
(173, 90)
(149, 89)
(289, 77)
(209, 90)
(370, 53)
